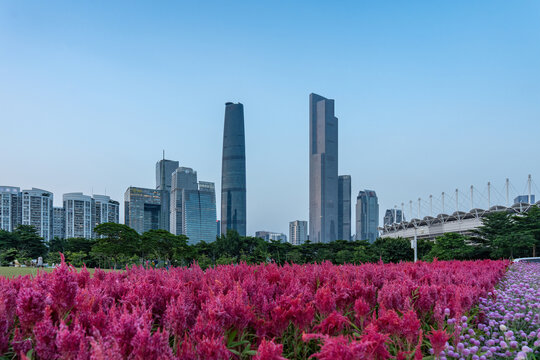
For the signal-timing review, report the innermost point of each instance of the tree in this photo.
(494, 225)
(163, 245)
(528, 224)
(115, 241)
(451, 246)
(393, 250)
(29, 242)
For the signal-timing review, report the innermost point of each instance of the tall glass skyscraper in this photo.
(367, 216)
(323, 170)
(233, 171)
(183, 179)
(164, 170)
(344, 207)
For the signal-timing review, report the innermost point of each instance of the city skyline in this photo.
(89, 101)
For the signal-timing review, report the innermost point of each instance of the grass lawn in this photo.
(10, 272)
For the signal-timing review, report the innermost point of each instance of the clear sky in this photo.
(431, 96)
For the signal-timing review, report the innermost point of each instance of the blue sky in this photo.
(430, 96)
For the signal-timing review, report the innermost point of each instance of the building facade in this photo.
(367, 216)
(106, 210)
(164, 171)
(392, 216)
(524, 199)
(59, 223)
(183, 178)
(80, 215)
(323, 170)
(271, 236)
(142, 209)
(233, 171)
(10, 207)
(37, 211)
(298, 232)
(344, 207)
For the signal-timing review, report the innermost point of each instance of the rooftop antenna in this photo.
(163, 154)
(402, 212)
(419, 208)
(410, 208)
(430, 205)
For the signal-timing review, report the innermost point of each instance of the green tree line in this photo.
(502, 235)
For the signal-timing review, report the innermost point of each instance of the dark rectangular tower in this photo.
(344, 208)
(323, 170)
(233, 171)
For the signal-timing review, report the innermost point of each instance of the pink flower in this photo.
(213, 349)
(438, 339)
(333, 324)
(325, 300)
(268, 350)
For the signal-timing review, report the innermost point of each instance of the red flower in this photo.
(268, 350)
(438, 339)
(333, 324)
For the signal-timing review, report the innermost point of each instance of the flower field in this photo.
(369, 311)
(508, 323)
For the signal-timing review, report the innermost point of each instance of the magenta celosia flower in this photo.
(268, 350)
(325, 300)
(213, 348)
(332, 324)
(438, 339)
(45, 337)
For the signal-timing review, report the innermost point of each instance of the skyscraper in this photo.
(297, 232)
(164, 170)
(367, 216)
(183, 178)
(392, 216)
(524, 199)
(323, 170)
(37, 210)
(233, 171)
(10, 207)
(344, 207)
(193, 206)
(80, 215)
(142, 209)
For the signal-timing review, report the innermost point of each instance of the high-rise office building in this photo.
(233, 171)
(142, 209)
(10, 207)
(208, 213)
(297, 232)
(323, 170)
(59, 223)
(37, 211)
(393, 216)
(344, 207)
(524, 199)
(270, 235)
(367, 216)
(164, 170)
(193, 206)
(183, 178)
(80, 215)
(106, 210)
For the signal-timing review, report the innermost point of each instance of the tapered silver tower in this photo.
(233, 171)
(323, 170)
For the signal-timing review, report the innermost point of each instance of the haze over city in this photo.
(429, 97)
